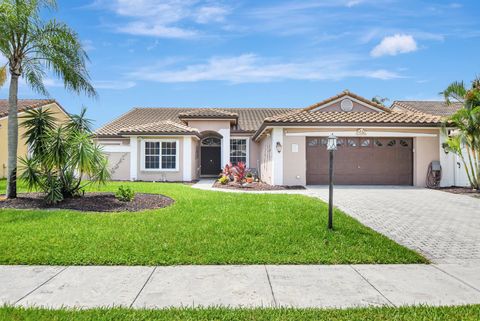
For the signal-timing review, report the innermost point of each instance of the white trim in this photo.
(209, 119)
(133, 158)
(108, 142)
(352, 99)
(248, 147)
(187, 159)
(277, 158)
(286, 128)
(142, 155)
(225, 148)
(355, 134)
(358, 126)
(115, 148)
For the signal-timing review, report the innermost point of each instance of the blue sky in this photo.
(265, 53)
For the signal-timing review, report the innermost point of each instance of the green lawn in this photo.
(465, 313)
(200, 228)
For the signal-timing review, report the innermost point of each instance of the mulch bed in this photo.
(255, 186)
(90, 202)
(461, 190)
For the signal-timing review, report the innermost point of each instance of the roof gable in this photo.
(357, 103)
(163, 127)
(208, 113)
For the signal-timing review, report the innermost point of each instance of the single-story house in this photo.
(23, 104)
(376, 145)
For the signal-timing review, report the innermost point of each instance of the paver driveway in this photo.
(444, 227)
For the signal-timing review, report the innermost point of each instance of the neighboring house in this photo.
(23, 105)
(376, 145)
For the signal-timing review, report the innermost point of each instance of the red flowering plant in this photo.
(239, 171)
(228, 171)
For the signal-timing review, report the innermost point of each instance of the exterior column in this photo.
(277, 158)
(225, 132)
(448, 163)
(133, 158)
(187, 158)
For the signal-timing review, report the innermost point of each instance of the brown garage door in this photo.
(362, 161)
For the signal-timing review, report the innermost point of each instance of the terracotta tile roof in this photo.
(347, 93)
(160, 127)
(249, 119)
(439, 108)
(208, 113)
(23, 104)
(337, 117)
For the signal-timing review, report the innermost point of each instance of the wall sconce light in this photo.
(279, 147)
(445, 148)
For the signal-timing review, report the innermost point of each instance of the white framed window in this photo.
(239, 150)
(160, 155)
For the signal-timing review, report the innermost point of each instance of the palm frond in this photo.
(3, 75)
(60, 50)
(455, 91)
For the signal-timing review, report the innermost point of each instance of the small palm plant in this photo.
(61, 157)
(465, 140)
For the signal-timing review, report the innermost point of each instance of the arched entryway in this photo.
(211, 155)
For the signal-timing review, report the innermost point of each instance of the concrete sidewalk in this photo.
(240, 286)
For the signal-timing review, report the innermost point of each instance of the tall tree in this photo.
(33, 47)
(465, 140)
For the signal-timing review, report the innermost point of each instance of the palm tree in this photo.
(34, 47)
(466, 123)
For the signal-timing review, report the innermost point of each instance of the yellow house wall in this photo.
(22, 146)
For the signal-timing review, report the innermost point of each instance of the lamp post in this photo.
(331, 146)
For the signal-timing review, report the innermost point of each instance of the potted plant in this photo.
(249, 177)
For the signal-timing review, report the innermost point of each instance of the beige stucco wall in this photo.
(356, 107)
(195, 159)
(214, 125)
(119, 165)
(266, 159)
(426, 149)
(22, 146)
(294, 163)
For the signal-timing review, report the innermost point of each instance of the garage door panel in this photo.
(362, 161)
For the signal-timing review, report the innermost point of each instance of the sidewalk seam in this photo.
(456, 278)
(143, 286)
(271, 287)
(373, 286)
(36, 288)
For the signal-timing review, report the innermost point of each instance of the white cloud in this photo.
(156, 30)
(113, 84)
(164, 18)
(250, 68)
(353, 3)
(394, 45)
(210, 14)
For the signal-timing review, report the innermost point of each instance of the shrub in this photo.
(125, 194)
(223, 180)
(61, 156)
(239, 171)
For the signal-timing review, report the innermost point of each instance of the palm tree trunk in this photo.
(12, 137)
